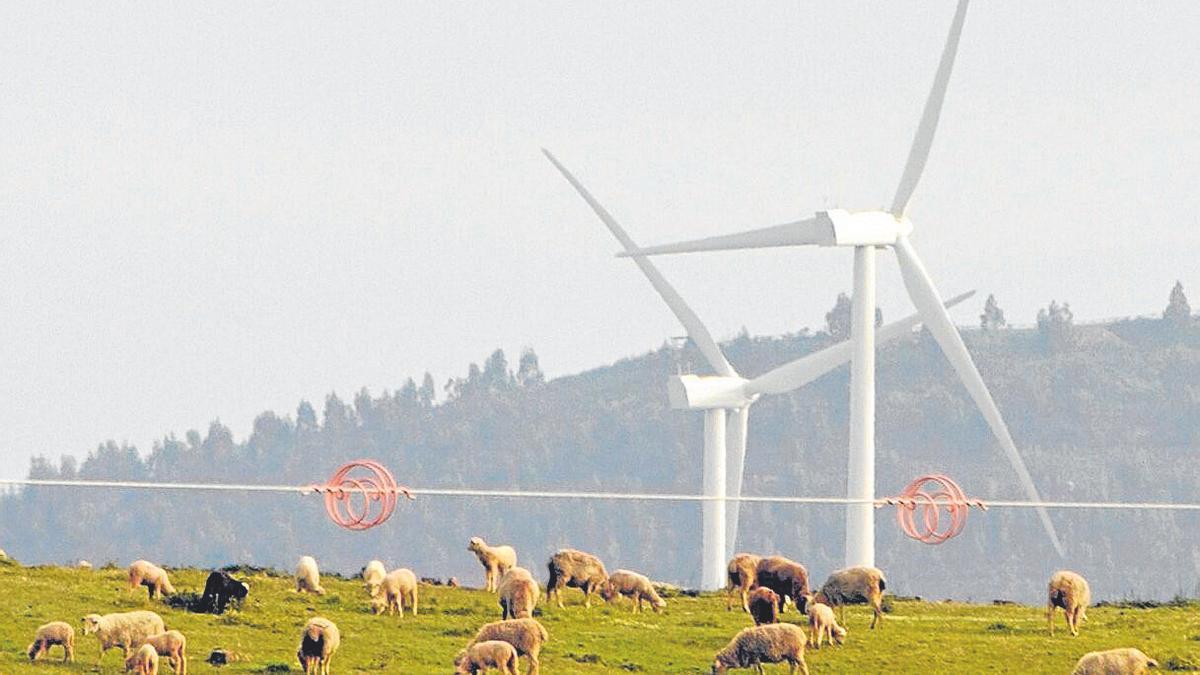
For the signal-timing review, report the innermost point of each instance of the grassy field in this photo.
(918, 637)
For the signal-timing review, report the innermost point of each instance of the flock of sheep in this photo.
(764, 584)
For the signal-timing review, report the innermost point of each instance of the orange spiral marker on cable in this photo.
(944, 496)
(363, 500)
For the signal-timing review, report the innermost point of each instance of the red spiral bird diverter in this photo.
(361, 495)
(945, 496)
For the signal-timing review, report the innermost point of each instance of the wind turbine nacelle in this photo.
(862, 228)
(693, 392)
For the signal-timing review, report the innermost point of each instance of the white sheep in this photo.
(853, 585)
(632, 585)
(1126, 661)
(399, 588)
(768, 643)
(84, 566)
(123, 629)
(1071, 592)
(318, 643)
(822, 624)
(373, 575)
(50, 634)
(496, 560)
(173, 645)
(518, 594)
(481, 656)
(153, 577)
(308, 577)
(525, 635)
(142, 662)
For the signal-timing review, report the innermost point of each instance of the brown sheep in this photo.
(1071, 592)
(787, 578)
(173, 645)
(484, 655)
(1126, 661)
(496, 560)
(635, 586)
(50, 634)
(153, 577)
(764, 604)
(143, 662)
(771, 643)
(525, 635)
(743, 575)
(854, 585)
(576, 569)
(518, 594)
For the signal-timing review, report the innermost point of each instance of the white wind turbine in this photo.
(865, 231)
(726, 394)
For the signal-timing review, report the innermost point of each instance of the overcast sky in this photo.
(223, 208)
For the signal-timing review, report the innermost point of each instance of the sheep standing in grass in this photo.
(84, 566)
(822, 624)
(496, 560)
(788, 578)
(854, 585)
(153, 577)
(1126, 661)
(318, 643)
(525, 635)
(308, 577)
(399, 588)
(518, 594)
(173, 645)
(1071, 592)
(632, 585)
(373, 575)
(123, 629)
(54, 633)
(576, 569)
(484, 655)
(142, 662)
(743, 575)
(771, 643)
(764, 606)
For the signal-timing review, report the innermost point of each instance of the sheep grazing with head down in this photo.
(576, 569)
(399, 588)
(518, 594)
(173, 645)
(632, 585)
(123, 629)
(822, 624)
(764, 606)
(318, 643)
(219, 589)
(372, 576)
(144, 661)
(742, 574)
(84, 566)
(481, 656)
(307, 576)
(1125, 661)
(854, 585)
(153, 577)
(1071, 592)
(525, 635)
(788, 578)
(496, 560)
(770, 643)
(54, 633)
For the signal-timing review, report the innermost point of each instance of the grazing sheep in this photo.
(373, 575)
(822, 624)
(399, 588)
(635, 586)
(743, 575)
(518, 594)
(770, 643)
(525, 635)
(853, 585)
(496, 560)
(153, 577)
(3, 555)
(308, 578)
(84, 565)
(764, 606)
(1071, 592)
(788, 578)
(173, 645)
(142, 662)
(219, 589)
(484, 655)
(124, 629)
(1126, 661)
(319, 641)
(576, 569)
(50, 634)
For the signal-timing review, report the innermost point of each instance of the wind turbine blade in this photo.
(923, 139)
(799, 233)
(735, 444)
(691, 323)
(937, 320)
(796, 374)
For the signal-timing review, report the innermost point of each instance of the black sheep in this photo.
(220, 589)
